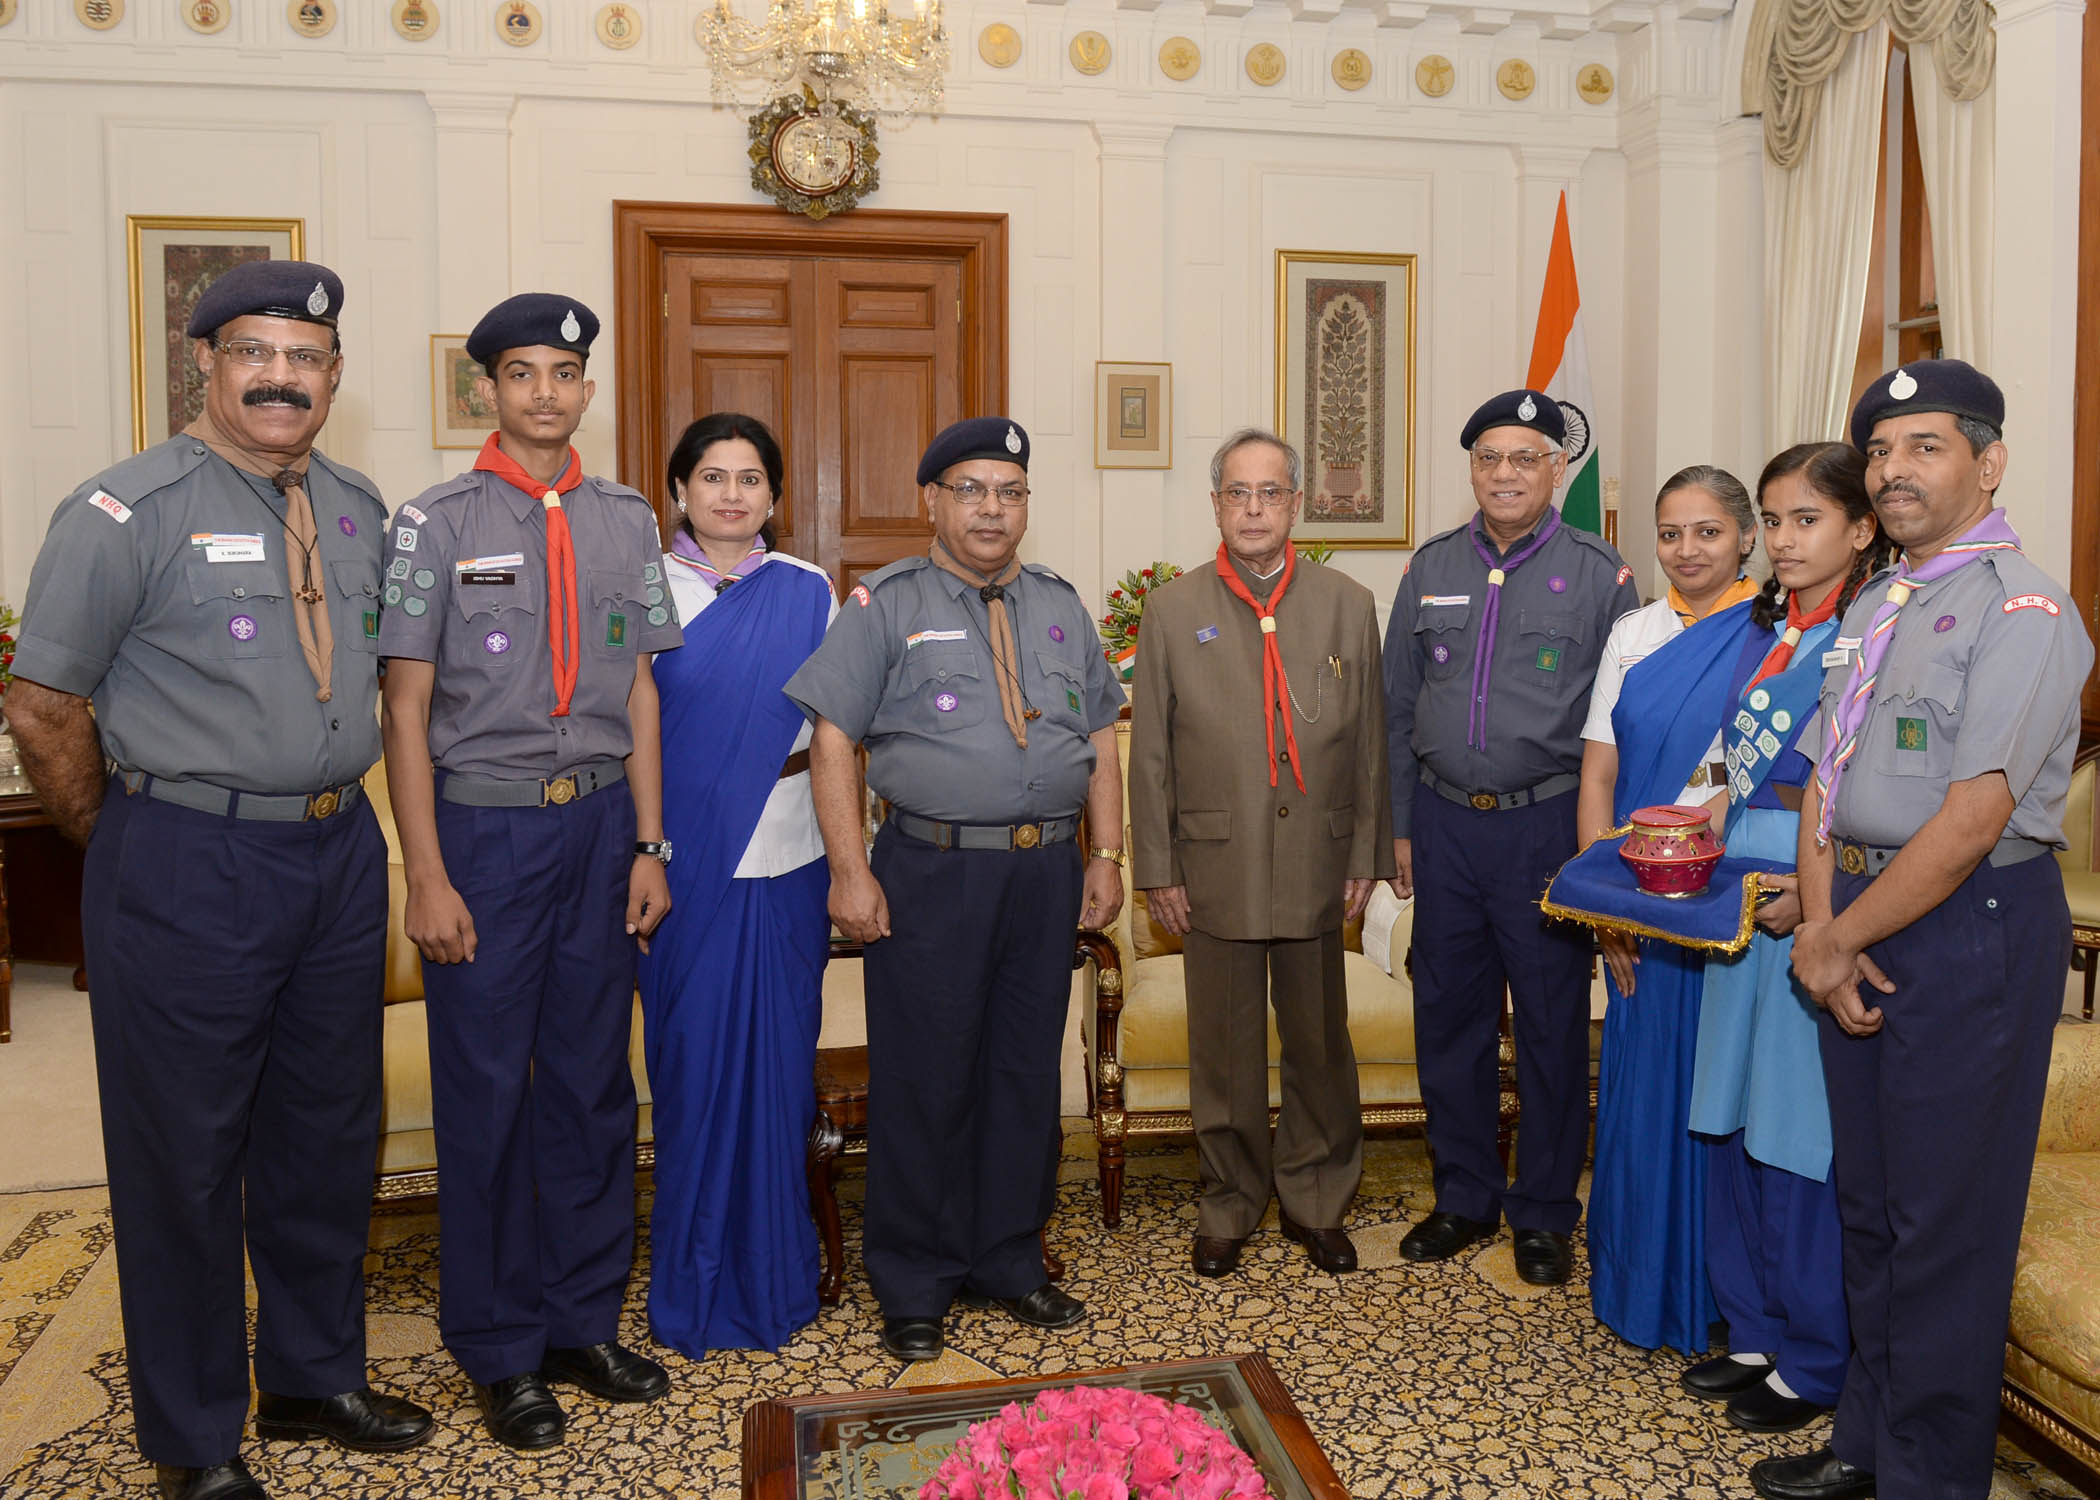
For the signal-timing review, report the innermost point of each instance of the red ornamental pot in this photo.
(1672, 851)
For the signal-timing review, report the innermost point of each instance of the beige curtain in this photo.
(1819, 232)
(1956, 144)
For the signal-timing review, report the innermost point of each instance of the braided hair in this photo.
(1837, 472)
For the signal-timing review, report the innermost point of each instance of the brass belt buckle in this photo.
(1028, 835)
(1852, 859)
(1484, 801)
(561, 790)
(323, 804)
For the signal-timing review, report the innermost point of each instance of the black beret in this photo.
(1533, 409)
(269, 289)
(974, 437)
(530, 320)
(1949, 385)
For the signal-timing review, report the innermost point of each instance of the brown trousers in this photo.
(1317, 1156)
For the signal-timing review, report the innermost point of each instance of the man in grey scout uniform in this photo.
(988, 711)
(216, 597)
(523, 601)
(1493, 642)
(1935, 935)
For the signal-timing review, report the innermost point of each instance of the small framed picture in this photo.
(170, 262)
(460, 417)
(1133, 415)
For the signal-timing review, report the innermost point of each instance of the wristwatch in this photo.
(660, 850)
(1121, 857)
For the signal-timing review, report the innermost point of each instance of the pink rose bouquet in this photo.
(1096, 1443)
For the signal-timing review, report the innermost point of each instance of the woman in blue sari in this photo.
(732, 982)
(1772, 1244)
(1652, 738)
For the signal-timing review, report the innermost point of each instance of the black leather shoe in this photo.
(363, 1421)
(1762, 1409)
(228, 1481)
(1721, 1377)
(521, 1412)
(1045, 1307)
(912, 1339)
(1213, 1255)
(1542, 1257)
(1330, 1249)
(608, 1371)
(1820, 1475)
(1442, 1235)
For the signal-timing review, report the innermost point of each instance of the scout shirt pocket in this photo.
(1203, 825)
(357, 585)
(1063, 701)
(1916, 714)
(616, 611)
(1551, 640)
(940, 689)
(502, 619)
(1440, 635)
(241, 606)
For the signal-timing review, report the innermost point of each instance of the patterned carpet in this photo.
(1447, 1380)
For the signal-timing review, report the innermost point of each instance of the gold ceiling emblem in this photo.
(1179, 58)
(619, 26)
(1594, 83)
(1434, 75)
(999, 44)
(98, 15)
(1089, 52)
(415, 20)
(311, 18)
(207, 16)
(1516, 78)
(1265, 64)
(1351, 68)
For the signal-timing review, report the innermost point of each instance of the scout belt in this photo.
(983, 836)
(794, 765)
(1552, 786)
(551, 791)
(202, 796)
(1855, 858)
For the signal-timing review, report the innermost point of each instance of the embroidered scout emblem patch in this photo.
(1558, 584)
(1943, 624)
(371, 624)
(398, 568)
(1441, 652)
(348, 526)
(415, 606)
(392, 594)
(1057, 633)
(656, 596)
(1549, 658)
(1910, 734)
(425, 578)
(1782, 721)
(659, 615)
(1072, 699)
(945, 703)
(616, 629)
(1760, 700)
(241, 627)
(495, 643)
(405, 539)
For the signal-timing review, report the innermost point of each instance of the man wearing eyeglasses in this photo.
(1489, 654)
(978, 685)
(1259, 823)
(216, 599)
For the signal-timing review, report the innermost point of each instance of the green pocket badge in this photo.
(1073, 699)
(616, 629)
(1910, 734)
(371, 624)
(1549, 658)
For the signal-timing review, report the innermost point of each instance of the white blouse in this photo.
(1633, 638)
(786, 837)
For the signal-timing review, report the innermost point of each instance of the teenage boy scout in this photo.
(1935, 934)
(523, 600)
(1489, 654)
(989, 715)
(216, 597)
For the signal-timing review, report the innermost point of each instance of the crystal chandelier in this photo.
(854, 53)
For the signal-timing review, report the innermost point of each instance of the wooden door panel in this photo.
(862, 305)
(886, 419)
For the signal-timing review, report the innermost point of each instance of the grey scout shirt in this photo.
(1983, 674)
(907, 668)
(466, 588)
(1557, 608)
(164, 594)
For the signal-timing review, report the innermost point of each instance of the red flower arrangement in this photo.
(1097, 1443)
(9, 623)
(1126, 606)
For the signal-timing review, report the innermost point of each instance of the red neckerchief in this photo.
(563, 626)
(1275, 686)
(1797, 625)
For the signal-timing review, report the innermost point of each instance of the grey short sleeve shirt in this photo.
(163, 593)
(907, 668)
(1982, 674)
(466, 589)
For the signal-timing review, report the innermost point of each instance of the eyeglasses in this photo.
(970, 492)
(1240, 497)
(305, 359)
(1524, 460)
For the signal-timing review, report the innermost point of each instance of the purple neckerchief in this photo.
(1992, 534)
(683, 545)
(1491, 612)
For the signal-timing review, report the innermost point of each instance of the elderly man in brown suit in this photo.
(1259, 823)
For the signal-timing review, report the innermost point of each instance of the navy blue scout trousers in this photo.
(1478, 879)
(1774, 1260)
(237, 969)
(530, 1089)
(966, 1008)
(1933, 1122)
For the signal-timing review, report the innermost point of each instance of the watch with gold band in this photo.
(1121, 857)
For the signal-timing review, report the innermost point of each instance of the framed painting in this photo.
(1133, 415)
(171, 261)
(459, 415)
(1345, 392)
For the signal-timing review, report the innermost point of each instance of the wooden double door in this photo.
(855, 340)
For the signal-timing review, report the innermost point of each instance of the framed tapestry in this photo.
(1345, 392)
(171, 262)
(459, 415)
(1133, 415)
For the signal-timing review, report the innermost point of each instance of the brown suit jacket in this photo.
(1259, 861)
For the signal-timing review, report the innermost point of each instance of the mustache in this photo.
(1899, 487)
(280, 395)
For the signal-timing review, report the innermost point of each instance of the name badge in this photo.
(488, 577)
(1431, 601)
(1837, 658)
(490, 564)
(230, 546)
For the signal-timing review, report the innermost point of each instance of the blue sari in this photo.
(732, 984)
(1647, 1212)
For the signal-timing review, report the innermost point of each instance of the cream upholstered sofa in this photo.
(2081, 878)
(1136, 1034)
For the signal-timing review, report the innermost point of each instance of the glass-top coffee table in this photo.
(883, 1445)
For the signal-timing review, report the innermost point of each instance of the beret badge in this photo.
(1903, 387)
(1013, 440)
(317, 300)
(570, 328)
(1528, 409)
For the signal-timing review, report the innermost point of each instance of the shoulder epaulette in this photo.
(2024, 581)
(351, 478)
(140, 476)
(1595, 543)
(897, 569)
(446, 489)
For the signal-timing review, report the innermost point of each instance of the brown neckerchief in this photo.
(1005, 662)
(301, 541)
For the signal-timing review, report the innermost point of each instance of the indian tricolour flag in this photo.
(1560, 366)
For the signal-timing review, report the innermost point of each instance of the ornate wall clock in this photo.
(812, 158)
